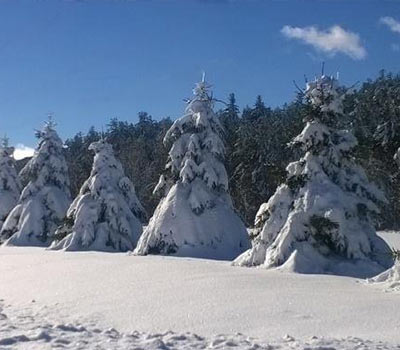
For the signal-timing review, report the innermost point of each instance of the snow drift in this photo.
(389, 279)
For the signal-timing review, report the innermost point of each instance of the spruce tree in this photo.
(195, 217)
(230, 121)
(321, 220)
(10, 185)
(106, 215)
(45, 199)
(230, 115)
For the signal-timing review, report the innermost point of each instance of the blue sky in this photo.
(89, 61)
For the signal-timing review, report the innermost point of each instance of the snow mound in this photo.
(27, 330)
(388, 280)
(305, 259)
(218, 233)
(392, 238)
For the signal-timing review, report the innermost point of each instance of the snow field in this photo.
(159, 298)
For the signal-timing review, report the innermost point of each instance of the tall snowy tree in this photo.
(10, 185)
(195, 217)
(321, 220)
(230, 121)
(45, 199)
(106, 215)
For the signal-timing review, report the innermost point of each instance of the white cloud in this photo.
(393, 25)
(334, 40)
(21, 151)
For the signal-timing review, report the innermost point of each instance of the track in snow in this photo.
(25, 330)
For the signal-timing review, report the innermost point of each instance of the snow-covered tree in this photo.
(195, 217)
(321, 220)
(106, 215)
(10, 185)
(45, 199)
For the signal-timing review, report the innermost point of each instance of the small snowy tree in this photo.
(10, 185)
(45, 199)
(390, 279)
(106, 215)
(322, 219)
(195, 217)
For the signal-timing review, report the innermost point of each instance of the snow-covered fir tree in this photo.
(10, 185)
(321, 220)
(195, 217)
(106, 215)
(45, 199)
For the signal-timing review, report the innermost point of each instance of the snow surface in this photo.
(389, 280)
(392, 238)
(52, 299)
(27, 330)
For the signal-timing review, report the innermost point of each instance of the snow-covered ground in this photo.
(85, 300)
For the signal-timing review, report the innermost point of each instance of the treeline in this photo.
(258, 147)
